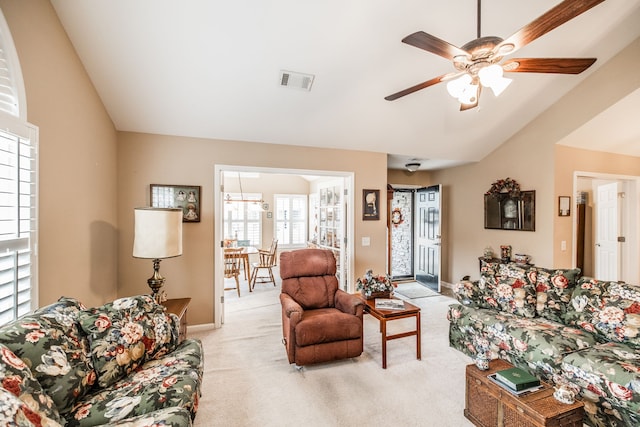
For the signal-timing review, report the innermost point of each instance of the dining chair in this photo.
(232, 258)
(267, 260)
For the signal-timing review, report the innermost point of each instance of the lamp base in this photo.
(156, 282)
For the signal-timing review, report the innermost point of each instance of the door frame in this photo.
(218, 228)
(629, 259)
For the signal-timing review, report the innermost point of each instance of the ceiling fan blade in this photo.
(433, 44)
(551, 19)
(548, 65)
(419, 86)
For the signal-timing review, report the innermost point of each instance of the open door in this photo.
(427, 237)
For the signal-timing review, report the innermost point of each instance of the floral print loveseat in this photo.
(565, 329)
(119, 365)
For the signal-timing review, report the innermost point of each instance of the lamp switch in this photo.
(366, 241)
(563, 245)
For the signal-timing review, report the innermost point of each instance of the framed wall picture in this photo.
(370, 205)
(564, 206)
(185, 197)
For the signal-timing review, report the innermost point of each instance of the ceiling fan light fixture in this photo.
(412, 167)
(492, 76)
(470, 94)
(457, 86)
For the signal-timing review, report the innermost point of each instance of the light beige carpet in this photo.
(248, 380)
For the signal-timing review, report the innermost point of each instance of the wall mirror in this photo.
(504, 211)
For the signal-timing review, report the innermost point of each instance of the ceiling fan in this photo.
(478, 63)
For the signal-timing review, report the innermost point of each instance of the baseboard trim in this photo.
(201, 328)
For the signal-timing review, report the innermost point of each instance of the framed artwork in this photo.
(564, 206)
(185, 197)
(370, 205)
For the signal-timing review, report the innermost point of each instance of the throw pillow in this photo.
(55, 348)
(553, 290)
(467, 293)
(17, 379)
(515, 290)
(125, 333)
(618, 319)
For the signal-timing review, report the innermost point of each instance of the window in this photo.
(243, 220)
(291, 219)
(17, 225)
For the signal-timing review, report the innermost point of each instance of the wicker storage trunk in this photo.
(489, 405)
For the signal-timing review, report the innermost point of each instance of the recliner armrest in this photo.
(289, 306)
(349, 303)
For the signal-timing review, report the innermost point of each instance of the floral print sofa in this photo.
(119, 365)
(565, 329)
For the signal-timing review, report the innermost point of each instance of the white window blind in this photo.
(243, 220)
(291, 219)
(17, 224)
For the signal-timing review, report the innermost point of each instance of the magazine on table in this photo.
(389, 304)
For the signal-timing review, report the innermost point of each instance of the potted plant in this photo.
(375, 286)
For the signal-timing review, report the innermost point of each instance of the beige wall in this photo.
(144, 159)
(529, 158)
(77, 205)
(570, 160)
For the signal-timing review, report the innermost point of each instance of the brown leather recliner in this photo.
(320, 322)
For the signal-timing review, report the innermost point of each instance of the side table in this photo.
(384, 315)
(178, 306)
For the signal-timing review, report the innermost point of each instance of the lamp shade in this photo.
(158, 233)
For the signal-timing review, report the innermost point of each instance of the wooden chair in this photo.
(232, 260)
(267, 262)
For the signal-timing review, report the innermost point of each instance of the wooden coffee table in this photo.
(385, 316)
(488, 404)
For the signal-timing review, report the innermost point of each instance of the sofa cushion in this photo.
(608, 377)
(15, 412)
(553, 291)
(467, 293)
(55, 349)
(125, 333)
(17, 379)
(169, 381)
(537, 343)
(609, 309)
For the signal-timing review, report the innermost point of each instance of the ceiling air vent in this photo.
(296, 80)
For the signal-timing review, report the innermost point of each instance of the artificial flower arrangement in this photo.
(370, 283)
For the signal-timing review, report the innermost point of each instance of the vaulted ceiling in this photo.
(211, 69)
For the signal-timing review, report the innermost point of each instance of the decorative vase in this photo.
(505, 252)
(482, 362)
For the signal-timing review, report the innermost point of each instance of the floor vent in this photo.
(296, 80)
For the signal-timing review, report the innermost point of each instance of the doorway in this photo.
(270, 186)
(606, 226)
(414, 235)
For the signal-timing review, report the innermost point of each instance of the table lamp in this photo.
(158, 235)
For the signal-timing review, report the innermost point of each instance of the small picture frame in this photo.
(185, 197)
(564, 206)
(370, 205)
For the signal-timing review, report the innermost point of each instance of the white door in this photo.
(427, 237)
(607, 232)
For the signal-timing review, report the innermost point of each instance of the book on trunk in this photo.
(517, 379)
